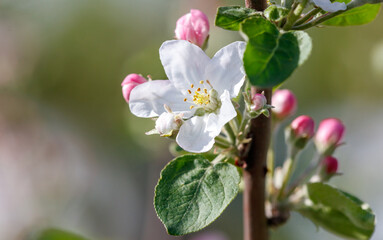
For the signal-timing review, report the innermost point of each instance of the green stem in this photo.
(318, 20)
(218, 159)
(230, 132)
(222, 142)
(294, 14)
(288, 168)
(242, 127)
(305, 176)
(308, 15)
(270, 157)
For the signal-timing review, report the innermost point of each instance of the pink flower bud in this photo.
(329, 135)
(258, 101)
(284, 102)
(130, 82)
(330, 165)
(193, 27)
(303, 127)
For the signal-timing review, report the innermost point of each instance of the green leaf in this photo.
(276, 13)
(358, 3)
(335, 222)
(356, 16)
(271, 56)
(56, 234)
(230, 18)
(192, 192)
(339, 212)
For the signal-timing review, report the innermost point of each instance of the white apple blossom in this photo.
(199, 88)
(329, 6)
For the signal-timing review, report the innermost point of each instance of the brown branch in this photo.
(258, 5)
(255, 223)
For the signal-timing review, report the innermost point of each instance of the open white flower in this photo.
(329, 6)
(198, 87)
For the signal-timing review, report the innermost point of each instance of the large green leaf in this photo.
(339, 212)
(271, 56)
(56, 234)
(192, 192)
(335, 222)
(356, 16)
(230, 18)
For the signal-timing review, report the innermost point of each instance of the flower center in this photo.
(203, 96)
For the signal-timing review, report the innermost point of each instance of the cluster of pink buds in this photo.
(327, 138)
(193, 27)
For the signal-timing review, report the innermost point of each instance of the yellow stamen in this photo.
(185, 99)
(199, 89)
(191, 107)
(205, 90)
(189, 91)
(192, 85)
(201, 82)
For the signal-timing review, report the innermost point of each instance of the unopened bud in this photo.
(300, 131)
(130, 82)
(330, 133)
(327, 169)
(193, 27)
(284, 102)
(330, 165)
(303, 127)
(167, 123)
(258, 102)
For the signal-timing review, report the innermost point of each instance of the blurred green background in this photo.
(73, 157)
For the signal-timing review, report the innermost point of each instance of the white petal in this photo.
(184, 63)
(225, 70)
(194, 137)
(226, 113)
(148, 99)
(328, 6)
(197, 134)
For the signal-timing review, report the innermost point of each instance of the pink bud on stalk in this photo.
(329, 135)
(303, 127)
(258, 102)
(285, 104)
(130, 82)
(300, 131)
(193, 27)
(330, 165)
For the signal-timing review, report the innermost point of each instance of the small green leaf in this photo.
(305, 46)
(339, 212)
(230, 18)
(192, 192)
(356, 16)
(276, 13)
(56, 234)
(271, 56)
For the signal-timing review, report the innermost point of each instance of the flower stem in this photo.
(288, 168)
(305, 176)
(308, 15)
(294, 14)
(230, 132)
(222, 142)
(317, 21)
